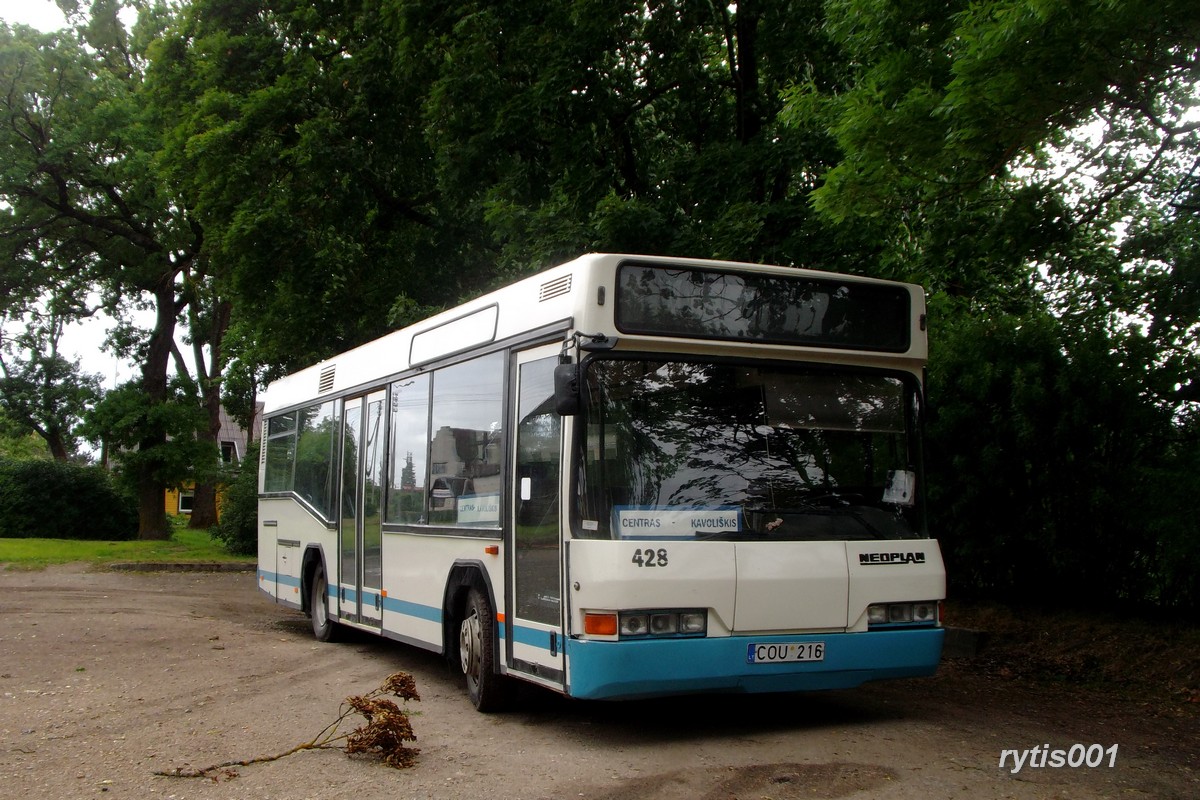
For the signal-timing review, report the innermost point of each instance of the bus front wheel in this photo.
(487, 688)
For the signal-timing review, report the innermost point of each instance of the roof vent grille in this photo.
(326, 382)
(555, 288)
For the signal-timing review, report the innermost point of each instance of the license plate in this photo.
(785, 652)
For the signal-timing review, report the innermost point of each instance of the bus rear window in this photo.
(778, 309)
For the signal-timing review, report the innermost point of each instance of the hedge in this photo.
(57, 500)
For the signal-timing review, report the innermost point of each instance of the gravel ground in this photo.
(109, 677)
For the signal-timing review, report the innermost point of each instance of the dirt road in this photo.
(108, 677)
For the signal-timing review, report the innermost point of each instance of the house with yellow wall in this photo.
(233, 441)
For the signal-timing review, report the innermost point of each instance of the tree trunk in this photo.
(204, 494)
(152, 514)
(204, 507)
(58, 448)
(204, 499)
(745, 76)
(151, 490)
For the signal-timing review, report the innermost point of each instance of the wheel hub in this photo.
(468, 646)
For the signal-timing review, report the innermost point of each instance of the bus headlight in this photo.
(925, 612)
(922, 613)
(634, 624)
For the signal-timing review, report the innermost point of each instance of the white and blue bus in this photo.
(625, 476)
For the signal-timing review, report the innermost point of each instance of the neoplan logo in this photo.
(891, 558)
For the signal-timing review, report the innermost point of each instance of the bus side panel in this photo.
(288, 557)
(268, 536)
(415, 571)
(285, 529)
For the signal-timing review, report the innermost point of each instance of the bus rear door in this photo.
(360, 574)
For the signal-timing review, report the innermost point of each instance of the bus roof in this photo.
(555, 297)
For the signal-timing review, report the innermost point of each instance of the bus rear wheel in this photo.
(324, 627)
(487, 688)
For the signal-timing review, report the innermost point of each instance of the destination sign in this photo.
(653, 523)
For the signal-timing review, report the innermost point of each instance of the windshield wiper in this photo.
(813, 507)
(740, 535)
(829, 500)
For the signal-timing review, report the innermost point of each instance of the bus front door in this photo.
(361, 534)
(535, 626)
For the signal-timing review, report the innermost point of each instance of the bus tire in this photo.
(324, 627)
(488, 689)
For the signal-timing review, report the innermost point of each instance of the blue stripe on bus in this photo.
(530, 636)
(405, 607)
(282, 580)
(533, 637)
(612, 670)
(410, 609)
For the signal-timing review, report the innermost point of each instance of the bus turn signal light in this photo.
(600, 624)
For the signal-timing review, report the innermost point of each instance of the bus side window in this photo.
(409, 451)
(316, 451)
(281, 453)
(467, 442)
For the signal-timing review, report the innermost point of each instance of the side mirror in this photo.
(566, 389)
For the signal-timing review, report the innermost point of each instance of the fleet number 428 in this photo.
(650, 557)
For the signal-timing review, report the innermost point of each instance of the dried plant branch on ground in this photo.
(384, 734)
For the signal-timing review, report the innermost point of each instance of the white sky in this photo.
(41, 14)
(85, 341)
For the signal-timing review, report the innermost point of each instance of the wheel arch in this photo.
(314, 558)
(463, 576)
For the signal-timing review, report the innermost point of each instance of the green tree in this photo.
(238, 527)
(357, 165)
(18, 443)
(126, 417)
(89, 206)
(1034, 165)
(297, 178)
(298, 139)
(40, 390)
(616, 125)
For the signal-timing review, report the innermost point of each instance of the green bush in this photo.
(57, 500)
(238, 527)
(1055, 477)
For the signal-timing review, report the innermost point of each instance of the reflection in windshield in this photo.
(683, 449)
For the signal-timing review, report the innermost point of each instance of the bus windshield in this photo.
(693, 450)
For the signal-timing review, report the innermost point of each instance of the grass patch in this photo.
(184, 545)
